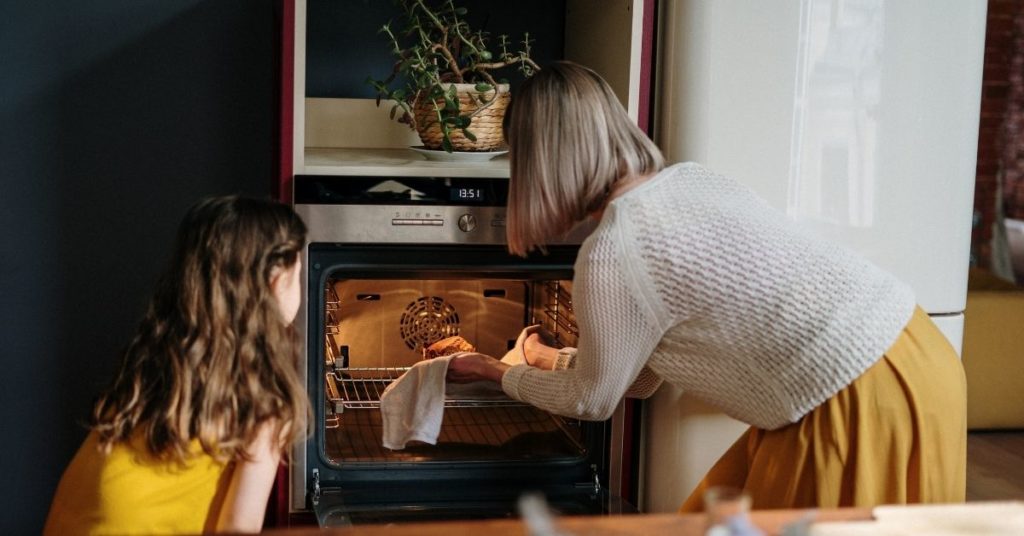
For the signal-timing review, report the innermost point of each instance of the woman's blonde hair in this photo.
(212, 359)
(570, 141)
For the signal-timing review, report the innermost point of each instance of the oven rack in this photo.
(332, 306)
(361, 387)
(557, 307)
(562, 324)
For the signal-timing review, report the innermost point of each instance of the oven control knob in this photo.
(467, 222)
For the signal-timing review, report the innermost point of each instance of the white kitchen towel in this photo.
(412, 407)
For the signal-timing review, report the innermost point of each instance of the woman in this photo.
(853, 396)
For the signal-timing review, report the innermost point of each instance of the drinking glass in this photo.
(726, 509)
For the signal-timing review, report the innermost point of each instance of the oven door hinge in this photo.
(315, 487)
(595, 484)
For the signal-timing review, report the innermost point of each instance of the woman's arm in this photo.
(619, 329)
(468, 367)
(621, 321)
(245, 502)
(548, 358)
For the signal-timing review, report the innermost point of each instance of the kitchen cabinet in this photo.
(348, 134)
(331, 126)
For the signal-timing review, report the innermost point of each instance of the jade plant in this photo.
(434, 49)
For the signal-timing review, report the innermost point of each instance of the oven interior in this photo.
(375, 329)
(373, 323)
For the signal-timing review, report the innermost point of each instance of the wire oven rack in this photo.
(556, 305)
(360, 388)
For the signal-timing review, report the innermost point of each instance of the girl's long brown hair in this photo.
(212, 359)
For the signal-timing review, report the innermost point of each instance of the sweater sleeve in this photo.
(644, 386)
(618, 332)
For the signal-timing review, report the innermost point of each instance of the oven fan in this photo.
(428, 320)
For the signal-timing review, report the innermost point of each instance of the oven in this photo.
(394, 264)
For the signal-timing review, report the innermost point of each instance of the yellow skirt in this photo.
(897, 434)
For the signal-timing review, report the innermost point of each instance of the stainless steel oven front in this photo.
(394, 264)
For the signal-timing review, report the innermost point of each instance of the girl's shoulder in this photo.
(125, 488)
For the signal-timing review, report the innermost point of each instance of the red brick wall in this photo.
(1000, 137)
(1012, 140)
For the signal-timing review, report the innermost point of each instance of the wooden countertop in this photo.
(770, 521)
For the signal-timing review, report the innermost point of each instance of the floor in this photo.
(995, 465)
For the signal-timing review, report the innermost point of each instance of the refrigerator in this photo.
(857, 118)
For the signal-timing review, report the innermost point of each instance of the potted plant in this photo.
(442, 82)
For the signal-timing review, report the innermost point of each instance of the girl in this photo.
(189, 435)
(853, 396)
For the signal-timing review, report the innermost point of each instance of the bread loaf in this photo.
(447, 346)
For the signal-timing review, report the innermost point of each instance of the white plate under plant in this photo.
(440, 155)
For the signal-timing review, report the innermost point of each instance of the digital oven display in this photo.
(467, 194)
(412, 191)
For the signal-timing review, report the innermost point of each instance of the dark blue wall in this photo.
(345, 32)
(114, 117)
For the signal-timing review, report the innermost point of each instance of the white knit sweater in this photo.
(693, 279)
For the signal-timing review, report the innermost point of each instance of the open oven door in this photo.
(336, 508)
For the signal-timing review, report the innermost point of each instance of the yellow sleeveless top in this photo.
(128, 492)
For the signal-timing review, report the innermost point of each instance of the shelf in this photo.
(361, 388)
(395, 162)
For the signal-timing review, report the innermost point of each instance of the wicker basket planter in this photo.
(486, 110)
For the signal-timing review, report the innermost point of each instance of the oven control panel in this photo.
(421, 192)
(403, 224)
(467, 222)
(422, 210)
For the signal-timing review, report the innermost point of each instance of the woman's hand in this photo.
(534, 344)
(468, 367)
